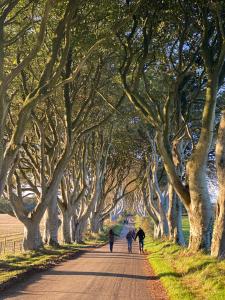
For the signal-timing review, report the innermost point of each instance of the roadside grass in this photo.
(186, 228)
(185, 275)
(13, 265)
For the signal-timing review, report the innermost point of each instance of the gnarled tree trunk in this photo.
(95, 222)
(157, 231)
(32, 236)
(200, 209)
(79, 231)
(175, 218)
(66, 227)
(218, 241)
(51, 224)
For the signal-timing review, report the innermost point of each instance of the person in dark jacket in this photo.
(111, 239)
(129, 238)
(141, 235)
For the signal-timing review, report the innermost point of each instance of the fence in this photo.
(11, 243)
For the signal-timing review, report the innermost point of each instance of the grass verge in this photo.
(185, 275)
(13, 266)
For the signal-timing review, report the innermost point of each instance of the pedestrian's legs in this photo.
(111, 246)
(129, 243)
(142, 246)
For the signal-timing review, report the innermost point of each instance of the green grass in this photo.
(185, 275)
(186, 228)
(13, 265)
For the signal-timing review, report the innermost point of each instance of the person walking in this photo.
(133, 233)
(129, 238)
(111, 239)
(141, 236)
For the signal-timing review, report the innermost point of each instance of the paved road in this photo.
(96, 274)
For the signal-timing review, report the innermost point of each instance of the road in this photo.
(96, 274)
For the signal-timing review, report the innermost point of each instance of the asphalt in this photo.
(96, 274)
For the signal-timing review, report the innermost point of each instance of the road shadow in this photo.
(103, 274)
(39, 276)
(114, 256)
(170, 274)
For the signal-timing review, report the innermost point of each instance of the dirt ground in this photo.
(96, 274)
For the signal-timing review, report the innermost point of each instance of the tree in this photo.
(138, 43)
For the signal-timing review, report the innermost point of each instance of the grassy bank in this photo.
(186, 228)
(13, 266)
(185, 275)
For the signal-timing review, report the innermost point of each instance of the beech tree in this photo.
(139, 44)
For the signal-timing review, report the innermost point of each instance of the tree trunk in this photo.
(218, 242)
(180, 235)
(157, 232)
(101, 223)
(66, 227)
(175, 218)
(51, 224)
(200, 209)
(46, 233)
(32, 236)
(163, 219)
(73, 228)
(172, 215)
(199, 227)
(79, 231)
(95, 222)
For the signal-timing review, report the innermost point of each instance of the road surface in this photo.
(96, 274)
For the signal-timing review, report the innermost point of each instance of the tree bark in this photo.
(175, 218)
(32, 236)
(66, 227)
(79, 231)
(157, 231)
(172, 215)
(46, 233)
(218, 241)
(95, 222)
(180, 234)
(51, 224)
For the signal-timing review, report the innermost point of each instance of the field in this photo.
(11, 234)
(9, 225)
